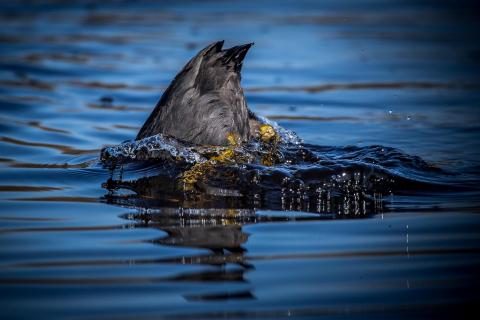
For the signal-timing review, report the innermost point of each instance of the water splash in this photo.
(165, 148)
(157, 147)
(285, 175)
(286, 136)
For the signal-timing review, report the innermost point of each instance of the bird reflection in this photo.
(215, 223)
(218, 231)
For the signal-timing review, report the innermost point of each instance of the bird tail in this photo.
(235, 55)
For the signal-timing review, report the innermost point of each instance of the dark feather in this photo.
(205, 101)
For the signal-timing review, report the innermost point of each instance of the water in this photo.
(388, 88)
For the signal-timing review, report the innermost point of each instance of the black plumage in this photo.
(204, 104)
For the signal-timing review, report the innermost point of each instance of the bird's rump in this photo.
(205, 101)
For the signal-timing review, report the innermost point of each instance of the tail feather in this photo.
(236, 55)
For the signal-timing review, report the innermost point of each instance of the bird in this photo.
(205, 103)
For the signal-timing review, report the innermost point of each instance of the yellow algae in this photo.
(199, 171)
(267, 133)
(233, 139)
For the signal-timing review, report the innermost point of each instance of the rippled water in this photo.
(376, 215)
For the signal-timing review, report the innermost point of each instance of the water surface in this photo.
(351, 78)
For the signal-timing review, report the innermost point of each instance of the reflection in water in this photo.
(218, 231)
(214, 221)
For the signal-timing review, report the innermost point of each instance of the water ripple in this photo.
(64, 149)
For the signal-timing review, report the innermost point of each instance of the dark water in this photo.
(376, 89)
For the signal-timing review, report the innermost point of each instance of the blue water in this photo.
(351, 78)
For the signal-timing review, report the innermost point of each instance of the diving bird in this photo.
(205, 104)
